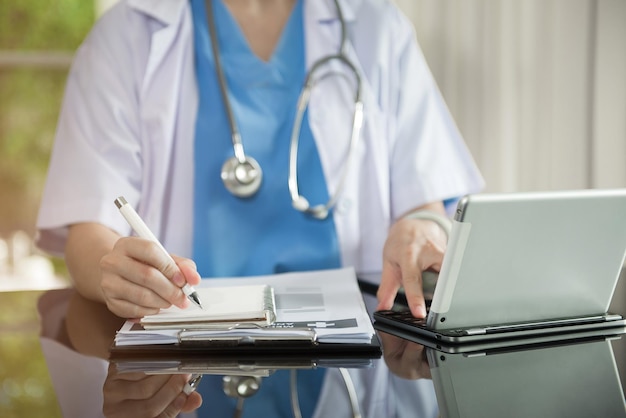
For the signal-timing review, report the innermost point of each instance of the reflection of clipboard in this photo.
(253, 347)
(225, 365)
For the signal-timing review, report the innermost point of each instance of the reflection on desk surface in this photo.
(78, 335)
(25, 386)
(572, 380)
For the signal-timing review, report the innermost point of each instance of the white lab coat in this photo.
(127, 128)
(128, 119)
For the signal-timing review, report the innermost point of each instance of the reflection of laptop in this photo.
(520, 264)
(575, 380)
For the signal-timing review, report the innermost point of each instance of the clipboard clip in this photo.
(238, 335)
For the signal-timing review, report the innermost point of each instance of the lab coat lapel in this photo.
(322, 27)
(169, 99)
(330, 118)
(365, 194)
(170, 13)
(166, 11)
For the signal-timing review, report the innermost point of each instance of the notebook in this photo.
(224, 306)
(521, 264)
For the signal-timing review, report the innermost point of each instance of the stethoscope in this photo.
(242, 174)
(242, 387)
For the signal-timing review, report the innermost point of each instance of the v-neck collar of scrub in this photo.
(239, 62)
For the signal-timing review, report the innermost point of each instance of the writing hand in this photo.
(138, 279)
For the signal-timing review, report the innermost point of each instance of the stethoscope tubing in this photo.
(300, 202)
(234, 130)
(242, 175)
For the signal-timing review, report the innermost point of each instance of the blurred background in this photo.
(537, 88)
(37, 40)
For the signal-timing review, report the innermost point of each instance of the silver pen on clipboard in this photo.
(142, 230)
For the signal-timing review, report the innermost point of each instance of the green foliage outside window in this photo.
(30, 100)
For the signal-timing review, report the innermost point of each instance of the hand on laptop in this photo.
(412, 247)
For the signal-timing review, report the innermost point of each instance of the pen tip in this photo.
(195, 299)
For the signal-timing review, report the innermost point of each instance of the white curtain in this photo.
(537, 87)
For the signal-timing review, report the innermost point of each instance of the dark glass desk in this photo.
(564, 380)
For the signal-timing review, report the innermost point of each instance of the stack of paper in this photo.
(325, 306)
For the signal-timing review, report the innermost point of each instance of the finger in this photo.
(429, 257)
(194, 401)
(142, 389)
(189, 270)
(170, 399)
(159, 397)
(129, 300)
(132, 289)
(412, 280)
(137, 260)
(150, 253)
(115, 375)
(389, 285)
(173, 409)
(117, 386)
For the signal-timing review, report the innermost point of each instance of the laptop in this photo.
(523, 264)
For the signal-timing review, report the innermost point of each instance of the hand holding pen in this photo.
(159, 260)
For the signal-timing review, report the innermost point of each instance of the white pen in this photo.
(192, 385)
(140, 227)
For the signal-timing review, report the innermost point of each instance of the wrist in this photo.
(444, 222)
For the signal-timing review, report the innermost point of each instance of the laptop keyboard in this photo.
(400, 317)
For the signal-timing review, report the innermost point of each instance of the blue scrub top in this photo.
(262, 234)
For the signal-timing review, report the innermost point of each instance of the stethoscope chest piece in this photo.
(242, 178)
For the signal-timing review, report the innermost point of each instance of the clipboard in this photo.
(319, 313)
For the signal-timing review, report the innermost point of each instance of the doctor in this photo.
(197, 114)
